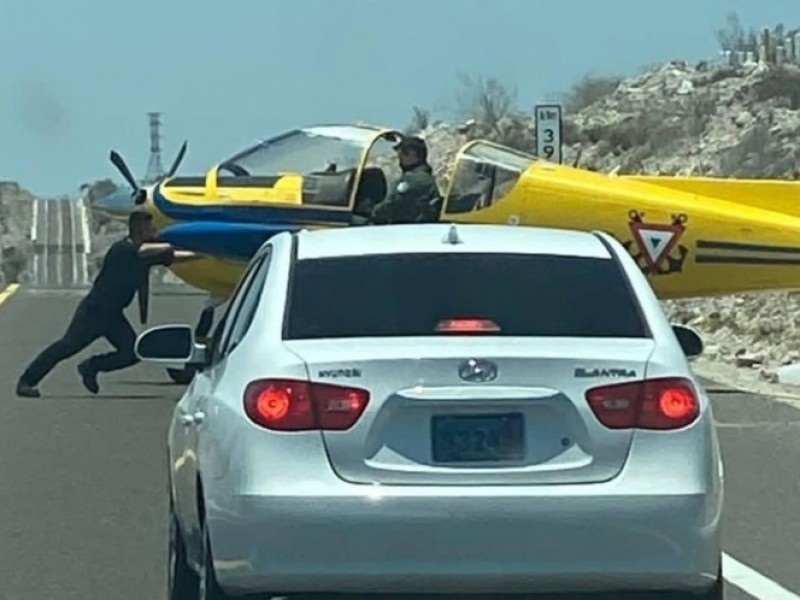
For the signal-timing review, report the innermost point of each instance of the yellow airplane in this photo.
(691, 236)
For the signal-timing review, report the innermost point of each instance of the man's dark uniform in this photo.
(99, 314)
(416, 197)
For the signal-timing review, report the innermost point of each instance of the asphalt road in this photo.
(60, 233)
(83, 496)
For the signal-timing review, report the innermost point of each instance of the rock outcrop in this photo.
(16, 247)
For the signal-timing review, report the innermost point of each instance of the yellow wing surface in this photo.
(692, 237)
(778, 196)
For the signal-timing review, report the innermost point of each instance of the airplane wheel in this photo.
(181, 376)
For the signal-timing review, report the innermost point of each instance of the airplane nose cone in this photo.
(144, 200)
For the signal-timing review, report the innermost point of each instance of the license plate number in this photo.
(478, 438)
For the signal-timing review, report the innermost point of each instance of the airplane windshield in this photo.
(301, 151)
(505, 158)
(483, 175)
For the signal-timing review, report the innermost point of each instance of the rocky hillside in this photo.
(16, 248)
(674, 119)
(740, 121)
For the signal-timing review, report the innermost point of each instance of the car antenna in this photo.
(452, 236)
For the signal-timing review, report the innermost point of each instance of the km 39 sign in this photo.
(548, 132)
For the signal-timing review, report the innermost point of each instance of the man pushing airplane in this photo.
(101, 313)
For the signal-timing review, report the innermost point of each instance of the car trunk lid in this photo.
(476, 410)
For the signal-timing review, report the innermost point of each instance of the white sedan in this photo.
(434, 408)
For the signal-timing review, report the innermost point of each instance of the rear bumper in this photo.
(378, 539)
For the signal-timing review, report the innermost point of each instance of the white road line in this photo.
(37, 257)
(73, 243)
(46, 251)
(35, 220)
(84, 270)
(87, 239)
(60, 242)
(752, 582)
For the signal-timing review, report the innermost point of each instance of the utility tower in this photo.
(155, 170)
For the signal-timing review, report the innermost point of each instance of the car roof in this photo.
(431, 238)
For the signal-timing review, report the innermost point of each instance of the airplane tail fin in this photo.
(777, 196)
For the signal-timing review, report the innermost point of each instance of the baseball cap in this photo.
(414, 143)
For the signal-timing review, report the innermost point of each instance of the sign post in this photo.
(548, 132)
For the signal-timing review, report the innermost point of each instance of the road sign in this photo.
(548, 132)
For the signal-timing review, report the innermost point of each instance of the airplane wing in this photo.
(774, 195)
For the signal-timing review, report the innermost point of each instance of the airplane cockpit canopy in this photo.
(302, 151)
(484, 173)
(326, 156)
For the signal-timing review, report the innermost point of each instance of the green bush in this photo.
(587, 91)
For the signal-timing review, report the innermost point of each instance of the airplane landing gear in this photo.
(201, 331)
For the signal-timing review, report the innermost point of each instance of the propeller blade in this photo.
(178, 159)
(118, 162)
(144, 298)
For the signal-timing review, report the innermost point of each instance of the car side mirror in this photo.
(689, 339)
(173, 346)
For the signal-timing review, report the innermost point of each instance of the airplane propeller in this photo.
(139, 196)
(119, 162)
(138, 192)
(178, 159)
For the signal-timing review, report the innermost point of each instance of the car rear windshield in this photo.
(414, 294)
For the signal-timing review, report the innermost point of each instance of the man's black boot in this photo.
(25, 390)
(88, 376)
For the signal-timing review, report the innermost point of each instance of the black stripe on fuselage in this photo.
(716, 245)
(261, 181)
(746, 254)
(711, 259)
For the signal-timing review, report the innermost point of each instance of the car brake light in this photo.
(292, 405)
(669, 403)
(466, 326)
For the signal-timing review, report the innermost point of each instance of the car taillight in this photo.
(467, 326)
(669, 403)
(293, 405)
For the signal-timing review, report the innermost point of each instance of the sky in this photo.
(77, 78)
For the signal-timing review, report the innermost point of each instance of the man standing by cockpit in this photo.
(416, 198)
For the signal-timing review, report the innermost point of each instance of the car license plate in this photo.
(478, 438)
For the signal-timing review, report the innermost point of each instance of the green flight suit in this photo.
(414, 199)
